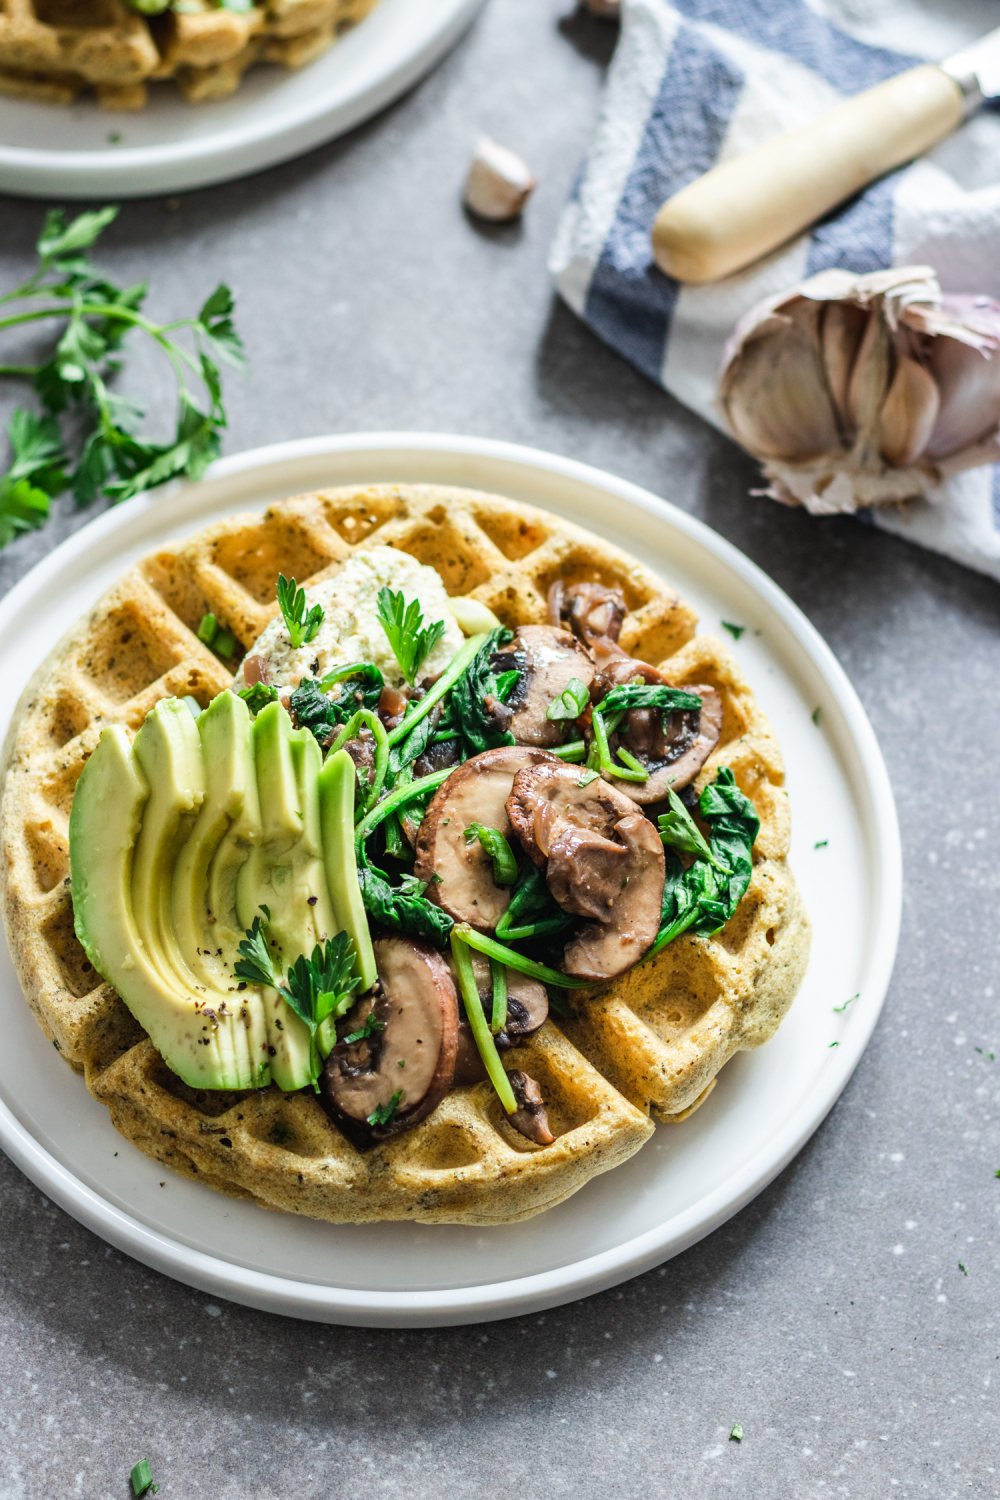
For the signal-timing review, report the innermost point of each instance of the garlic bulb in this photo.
(864, 390)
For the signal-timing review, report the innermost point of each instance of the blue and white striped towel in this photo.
(695, 82)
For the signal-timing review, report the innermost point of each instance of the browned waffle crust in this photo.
(650, 1042)
(52, 49)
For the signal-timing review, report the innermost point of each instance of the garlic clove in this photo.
(776, 400)
(499, 183)
(842, 329)
(908, 413)
(969, 383)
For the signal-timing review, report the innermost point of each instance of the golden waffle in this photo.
(50, 50)
(651, 1041)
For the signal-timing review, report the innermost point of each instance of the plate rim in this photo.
(239, 148)
(575, 1278)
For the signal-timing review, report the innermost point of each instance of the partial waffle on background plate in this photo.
(659, 1001)
(52, 50)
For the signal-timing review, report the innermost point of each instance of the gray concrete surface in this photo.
(831, 1318)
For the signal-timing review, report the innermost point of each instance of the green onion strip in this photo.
(573, 751)
(444, 684)
(477, 1021)
(531, 929)
(604, 754)
(499, 973)
(350, 729)
(682, 923)
(515, 960)
(398, 798)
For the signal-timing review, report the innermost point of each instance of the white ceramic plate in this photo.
(50, 151)
(684, 1182)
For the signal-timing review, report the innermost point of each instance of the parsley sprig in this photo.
(73, 382)
(317, 989)
(411, 641)
(301, 624)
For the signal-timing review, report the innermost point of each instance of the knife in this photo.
(745, 208)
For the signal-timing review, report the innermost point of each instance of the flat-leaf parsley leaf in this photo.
(301, 624)
(411, 641)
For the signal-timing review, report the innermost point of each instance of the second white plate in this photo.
(688, 1179)
(82, 151)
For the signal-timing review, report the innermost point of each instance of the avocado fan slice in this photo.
(203, 1044)
(285, 873)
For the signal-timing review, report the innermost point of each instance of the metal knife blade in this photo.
(976, 70)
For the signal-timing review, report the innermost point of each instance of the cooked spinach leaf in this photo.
(362, 684)
(258, 696)
(360, 688)
(405, 752)
(314, 710)
(400, 909)
(471, 710)
(704, 897)
(649, 695)
(532, 912)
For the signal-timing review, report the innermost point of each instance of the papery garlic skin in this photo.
(864, 390)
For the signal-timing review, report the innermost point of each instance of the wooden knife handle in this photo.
(748, 206)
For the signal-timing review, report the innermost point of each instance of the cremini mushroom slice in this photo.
(403, 1064)
(601, 950)
(672, 747)
(602, 859)
(527, 1008)
(591, 611)
(530, 1117)
(458, 871)
(548, 660)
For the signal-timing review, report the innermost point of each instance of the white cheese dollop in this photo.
(351, 630)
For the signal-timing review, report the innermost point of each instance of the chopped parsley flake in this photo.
(383, 1113)
(734, 630)
(142, 1479)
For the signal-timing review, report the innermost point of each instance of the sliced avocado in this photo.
(168, 751)
(285, 872)
(336, 800)
(310, 870)
(204, 1043)
(205, 872)
(242, 835)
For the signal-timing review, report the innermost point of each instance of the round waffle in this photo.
(49, 53)
(650, 1043)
